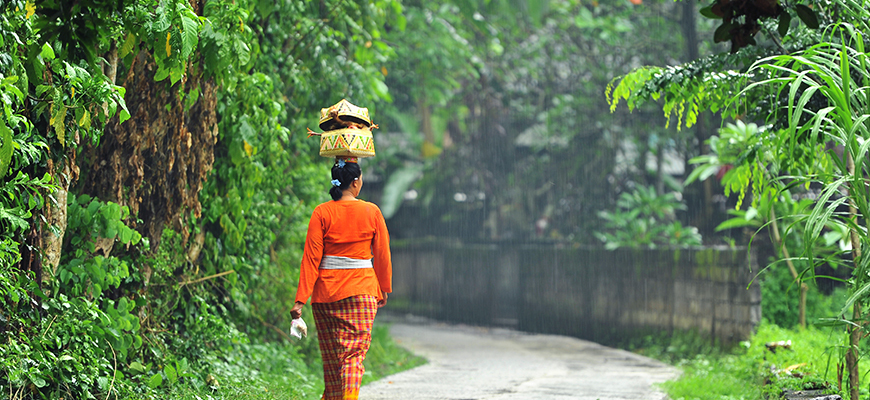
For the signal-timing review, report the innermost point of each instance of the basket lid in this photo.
(340, 113)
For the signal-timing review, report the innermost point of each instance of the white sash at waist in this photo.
(336, 262)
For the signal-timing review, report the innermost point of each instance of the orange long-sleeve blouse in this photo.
(352, 229)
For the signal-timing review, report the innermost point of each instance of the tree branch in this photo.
(208, 277)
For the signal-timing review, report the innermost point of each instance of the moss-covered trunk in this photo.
(156, 162)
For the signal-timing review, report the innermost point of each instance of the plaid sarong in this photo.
(344, 332)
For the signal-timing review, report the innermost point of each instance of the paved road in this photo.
(469, 363)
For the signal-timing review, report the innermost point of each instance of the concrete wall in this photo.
(587, 292)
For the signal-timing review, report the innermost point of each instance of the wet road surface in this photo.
(472, 363)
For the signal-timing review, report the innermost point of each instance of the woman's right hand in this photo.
(296, 311)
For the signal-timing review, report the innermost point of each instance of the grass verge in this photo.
(773, 360)
(279, 371)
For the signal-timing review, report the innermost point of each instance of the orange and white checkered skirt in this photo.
(344, 332)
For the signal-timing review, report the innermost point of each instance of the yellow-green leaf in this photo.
(85, 120)
(127, 47)
(58, 114)
(47, 52)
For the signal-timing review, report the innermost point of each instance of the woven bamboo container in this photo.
(347, 143)
(347, 131)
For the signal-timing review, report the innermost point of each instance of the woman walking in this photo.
(347, 273)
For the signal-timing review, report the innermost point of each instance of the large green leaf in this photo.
(190, 33)
(708, 13)
(15, 217)
(396, 186)
(155, 381)
(5, 148)
(723, 32)
(57, 121)
(170, 374)
(47, 52)
(807, 15)
(128, 45)
(784, 23)
(737, 222)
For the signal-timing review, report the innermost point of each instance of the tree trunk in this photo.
(156, 162)
(428, 149)
(55, 213)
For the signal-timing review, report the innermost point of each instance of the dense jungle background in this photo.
(156, 177)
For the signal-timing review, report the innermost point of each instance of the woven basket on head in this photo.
(347, 143)
(347, 131)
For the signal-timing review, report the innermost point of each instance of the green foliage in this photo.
(779, 295)
(248, 371)
(251, 371)
(521, 137)
(745, 158)
(742, 151)
(827, 69)
(645, 219)
(76, 352)
(674, 347)
(821, 100)
(813, 353)
(22, 190)
(118, 317)
(88, 341)
(73, 98)
(801, 360)
(77, 98)
(441, 49)
(20, 196)
(685, 90)
(267, 176)
(741, 22)
(707, 83)
(91, 220)
(709, 378)
(72, 338)
(226, 39)
(427, 75)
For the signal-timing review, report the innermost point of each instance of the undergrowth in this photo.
(268, 371)
(774, 359)
(170, 337)
(778, 356)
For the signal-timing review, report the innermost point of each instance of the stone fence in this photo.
(586, 292)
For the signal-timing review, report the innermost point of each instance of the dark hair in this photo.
(346, 175)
